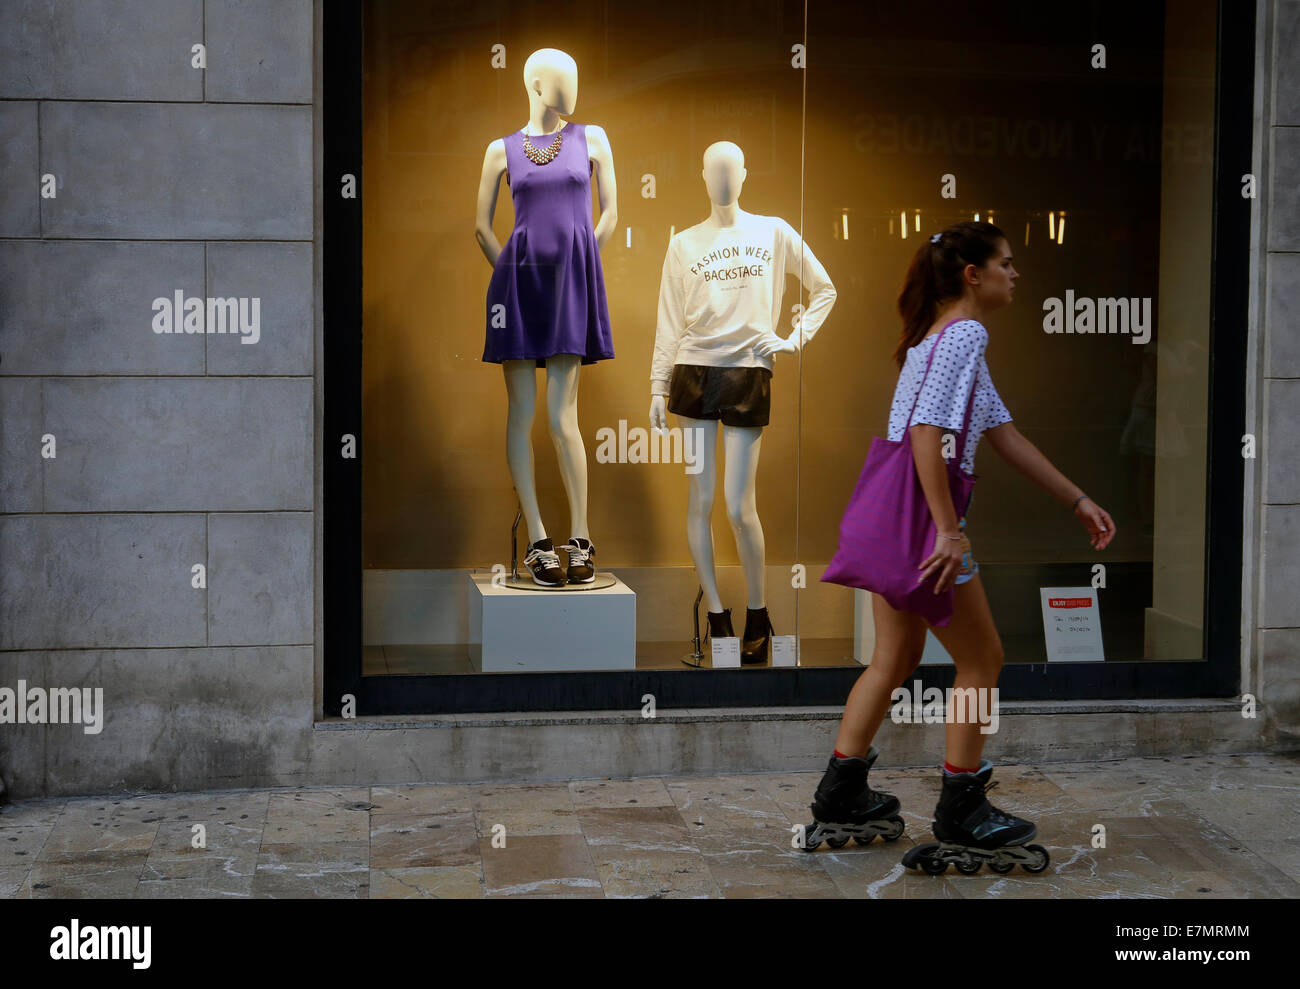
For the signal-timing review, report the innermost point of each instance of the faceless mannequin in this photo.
(551, 81)
(724, 174)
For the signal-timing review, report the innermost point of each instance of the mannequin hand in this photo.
(773, 344)
(1100, 526)
(658, 413)
(946, 560)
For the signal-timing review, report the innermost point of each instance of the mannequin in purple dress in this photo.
(546, 299)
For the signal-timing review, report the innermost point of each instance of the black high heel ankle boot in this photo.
(758, 636)
(720, 624)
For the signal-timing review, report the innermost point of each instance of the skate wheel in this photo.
(862, 839)
(968, 868)
(811, 844)
(838, 842)
(917, 854)
(1044, 859)
(1002, 868)
(933, 866)
(896, 831)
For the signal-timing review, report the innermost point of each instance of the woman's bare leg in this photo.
(976, 649)
(900, 640)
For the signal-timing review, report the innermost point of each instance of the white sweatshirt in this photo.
(721, 292)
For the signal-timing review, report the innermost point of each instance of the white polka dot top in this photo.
(958, 360)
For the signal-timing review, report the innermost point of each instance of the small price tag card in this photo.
(784, 651)
(726, 651)
(1072, 625)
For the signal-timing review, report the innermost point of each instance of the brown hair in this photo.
(935, 275)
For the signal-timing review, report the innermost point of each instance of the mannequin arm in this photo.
(489, 183)
(607, 188)
(801, 262)
(821, 296)
(658, 413)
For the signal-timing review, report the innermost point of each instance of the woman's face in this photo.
(997, 283)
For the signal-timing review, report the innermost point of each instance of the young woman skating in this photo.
(956, 280)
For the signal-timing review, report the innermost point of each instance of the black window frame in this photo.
(1217, 675)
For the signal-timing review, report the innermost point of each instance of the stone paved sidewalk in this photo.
(1219, 826)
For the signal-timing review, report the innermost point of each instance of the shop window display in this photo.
(727, 210)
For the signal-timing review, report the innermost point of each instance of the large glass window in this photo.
(1086, 136)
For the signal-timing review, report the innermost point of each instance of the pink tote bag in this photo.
(887, 530)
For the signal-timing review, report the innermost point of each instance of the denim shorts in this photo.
(969, 567)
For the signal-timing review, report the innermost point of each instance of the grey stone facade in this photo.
(186, 449)
(1275, 578)
(170, 450)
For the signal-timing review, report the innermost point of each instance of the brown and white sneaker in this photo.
(582, 563)
(544, 563)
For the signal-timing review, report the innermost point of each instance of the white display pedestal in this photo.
(512, 630)
(864, 635)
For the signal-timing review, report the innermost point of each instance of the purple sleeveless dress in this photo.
(548, 281)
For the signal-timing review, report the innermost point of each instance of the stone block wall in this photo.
(128, 174)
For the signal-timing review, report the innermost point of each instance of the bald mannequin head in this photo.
(724, 172)
(551, 77)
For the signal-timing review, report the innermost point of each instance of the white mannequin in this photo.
(724, 174)
(551, 79)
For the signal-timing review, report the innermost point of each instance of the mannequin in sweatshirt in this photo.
(719, 311)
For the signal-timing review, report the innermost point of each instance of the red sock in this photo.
(957, 769)
(840, 755)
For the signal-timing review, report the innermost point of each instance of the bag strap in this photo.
(928, 361)
(970, 402)
(964, 435)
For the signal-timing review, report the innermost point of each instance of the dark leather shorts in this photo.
(739, 396)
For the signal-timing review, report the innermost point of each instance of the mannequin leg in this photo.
(741, 444)
(521, 392)
(699, 510)
(562, 408)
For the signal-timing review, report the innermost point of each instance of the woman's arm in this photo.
(1012, 447)
(933, 475)
(1016, 450)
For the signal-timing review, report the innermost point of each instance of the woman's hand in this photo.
(946, 560)
(1100, 526)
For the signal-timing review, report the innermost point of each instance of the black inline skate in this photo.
(845, 807)
(972, 832)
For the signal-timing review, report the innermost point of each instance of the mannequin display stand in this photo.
(695, 658)
(514, 630)
(528, 584)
